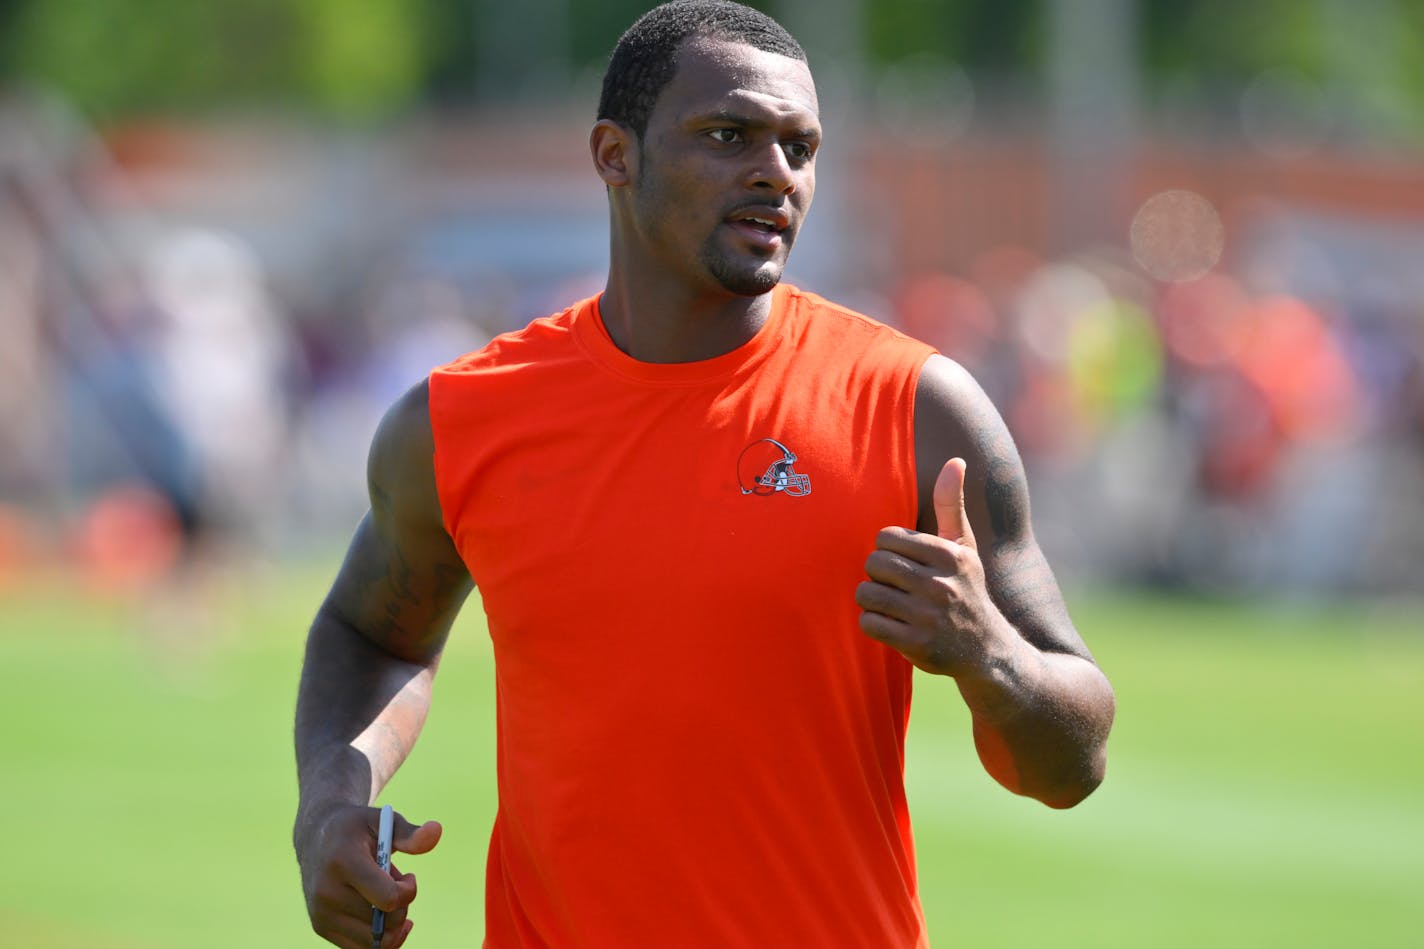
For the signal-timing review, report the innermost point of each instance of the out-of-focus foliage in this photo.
(1223, 41)
(360, 56)
(595, 27)
(344, 58)
(989, 37)
(1364, 61)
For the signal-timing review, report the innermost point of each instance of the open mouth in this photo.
(763, 226)
(766, 217)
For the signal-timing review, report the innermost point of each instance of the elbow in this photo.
(1092, 766)
(1065, 798)
(1074, 792)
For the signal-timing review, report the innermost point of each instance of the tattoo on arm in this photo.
(1006, 500)
(1025, 591)
(1020, 580)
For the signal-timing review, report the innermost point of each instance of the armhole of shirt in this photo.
(435, 395)
(926, 353)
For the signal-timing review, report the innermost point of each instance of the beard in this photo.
(741, 276)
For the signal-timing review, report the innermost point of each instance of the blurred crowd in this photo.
(1221, 433)
(1239, 421)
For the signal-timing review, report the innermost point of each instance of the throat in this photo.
(681, 331)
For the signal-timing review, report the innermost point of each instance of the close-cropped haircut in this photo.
(645, 58)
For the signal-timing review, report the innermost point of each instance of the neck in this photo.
(671, 324)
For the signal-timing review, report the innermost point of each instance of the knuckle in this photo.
(889, 535)
(876, 598)
(328, 892)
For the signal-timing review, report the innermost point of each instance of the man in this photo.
(715, 521)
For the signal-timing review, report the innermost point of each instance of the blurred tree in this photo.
(346, 58)
(996, 38)
(362, 58)
(450, 48)
(594, 28)
(1360, 63)
(1210, 41)
(359, 57)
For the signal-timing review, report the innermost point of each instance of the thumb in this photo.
(409, 838)
(951, 522)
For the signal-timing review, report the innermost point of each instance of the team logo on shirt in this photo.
(765, 468)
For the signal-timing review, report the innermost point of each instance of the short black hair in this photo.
(645, 58)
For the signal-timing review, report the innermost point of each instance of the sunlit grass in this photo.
(1266, 784)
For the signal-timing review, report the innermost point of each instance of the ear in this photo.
(615, 152)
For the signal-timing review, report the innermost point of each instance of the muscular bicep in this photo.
(402, 581)
(955, 418)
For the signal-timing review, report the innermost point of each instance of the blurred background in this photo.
(1180, 243)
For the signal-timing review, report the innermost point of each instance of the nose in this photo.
(773, 171)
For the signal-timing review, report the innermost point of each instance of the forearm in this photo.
(359, 712)
(1041, 720)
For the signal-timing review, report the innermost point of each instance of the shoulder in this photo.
(403, 436)
(813, 310)
(812, 321)
(400, 468)
(955, 418)
(948, 393)
(517, 347)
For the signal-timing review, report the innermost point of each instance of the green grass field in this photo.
(1265, 786)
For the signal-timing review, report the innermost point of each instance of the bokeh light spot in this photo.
(1177, 235)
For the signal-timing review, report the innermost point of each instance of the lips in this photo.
(760, 225)
(761, 216)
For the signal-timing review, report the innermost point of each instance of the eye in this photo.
(800, 151)
(725, 136)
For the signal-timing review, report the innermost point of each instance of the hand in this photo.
(342, 880)
(926, 596)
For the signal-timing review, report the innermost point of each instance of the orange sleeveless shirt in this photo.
(696, 744)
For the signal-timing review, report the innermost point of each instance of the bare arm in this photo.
(370, 659)
(970, 595)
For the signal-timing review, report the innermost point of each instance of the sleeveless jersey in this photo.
(697, 746)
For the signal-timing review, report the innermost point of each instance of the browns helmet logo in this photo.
(765, 467)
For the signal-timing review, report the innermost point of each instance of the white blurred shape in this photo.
(222, 356)
(1052, 301)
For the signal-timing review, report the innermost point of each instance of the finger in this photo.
(378, 888)
(412, 839)
(951, 521)
(927, 549)
(894, 570)
(400, 936)
(339, 898)
(884, 600)
(350, 918)
(397, 916)
(349, 932)
(391, 891)
(892, 632)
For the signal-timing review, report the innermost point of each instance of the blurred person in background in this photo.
(133, 466)
(223, 365)
(699, 506)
